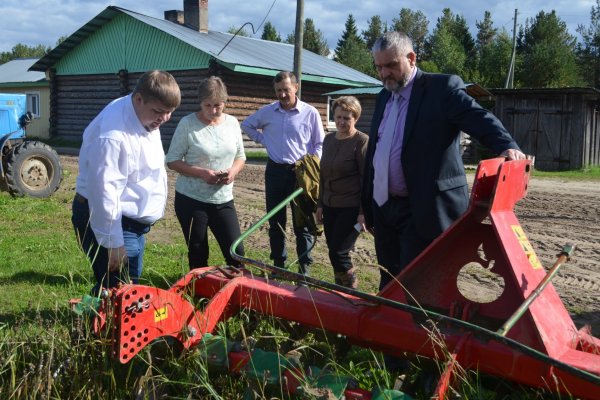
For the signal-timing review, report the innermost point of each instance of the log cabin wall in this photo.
(79, 98)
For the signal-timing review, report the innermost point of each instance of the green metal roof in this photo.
(126, 43)
(122, 39)
(473, 89)
(356, 91)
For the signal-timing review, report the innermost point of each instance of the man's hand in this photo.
(117, 257)
(361, 220)
(319, 215)
(513, 154)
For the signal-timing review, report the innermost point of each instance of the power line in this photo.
(252, 26)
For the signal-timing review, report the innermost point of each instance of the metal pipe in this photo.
(482, 332)
(257, 225)
(563, 256)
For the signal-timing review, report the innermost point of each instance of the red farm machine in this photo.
(524, 335)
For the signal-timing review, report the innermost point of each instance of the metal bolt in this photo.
(104, 294)
(191, 331)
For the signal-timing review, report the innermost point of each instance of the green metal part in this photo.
(266, 366)
(215, 350)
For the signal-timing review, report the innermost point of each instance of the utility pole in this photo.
(511, 69)
(298, 39)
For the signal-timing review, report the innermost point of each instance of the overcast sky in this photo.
(34, 22)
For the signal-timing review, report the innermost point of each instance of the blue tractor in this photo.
(28, 167)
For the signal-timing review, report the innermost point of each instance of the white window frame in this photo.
(33, 103)
(330, 121)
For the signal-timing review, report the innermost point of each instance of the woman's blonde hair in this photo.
(348, 103)
(212, 87)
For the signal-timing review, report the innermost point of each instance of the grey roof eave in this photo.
(223, 47)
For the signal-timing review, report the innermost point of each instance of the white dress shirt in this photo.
(121, 172)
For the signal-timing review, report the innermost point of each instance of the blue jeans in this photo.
(135, 241)
(280, 182)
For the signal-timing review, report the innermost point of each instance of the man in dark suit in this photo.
(414, 182)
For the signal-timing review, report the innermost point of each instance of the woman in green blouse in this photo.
(207, 151)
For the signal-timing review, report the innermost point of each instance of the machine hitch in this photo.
(524, 334)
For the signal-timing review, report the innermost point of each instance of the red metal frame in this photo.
(488, 234)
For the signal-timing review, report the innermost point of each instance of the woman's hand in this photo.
(226, 176)
(211, 176)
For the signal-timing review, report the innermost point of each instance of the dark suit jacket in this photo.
(438, 110)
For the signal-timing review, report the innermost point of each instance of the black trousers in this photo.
(338, 224)
(280, 182)
(397, 242)
(195, 217)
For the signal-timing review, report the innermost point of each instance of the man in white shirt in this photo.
(122, 182)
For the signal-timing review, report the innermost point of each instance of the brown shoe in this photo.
(347, 278)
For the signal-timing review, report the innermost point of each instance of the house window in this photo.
(330, 120)
(33, 104)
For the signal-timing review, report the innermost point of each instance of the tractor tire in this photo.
(33, 169)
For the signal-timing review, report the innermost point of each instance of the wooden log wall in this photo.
(77, 99)
(248, 93)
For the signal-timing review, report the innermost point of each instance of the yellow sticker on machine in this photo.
(160, 314)
(526, 246)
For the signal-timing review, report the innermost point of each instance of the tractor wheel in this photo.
(33, 169)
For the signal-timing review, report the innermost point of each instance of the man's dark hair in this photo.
(285, 75)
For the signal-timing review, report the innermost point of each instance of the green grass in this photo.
(256, 155)
(58, 142)
(48, 352)
(251, 155)
(590, 173)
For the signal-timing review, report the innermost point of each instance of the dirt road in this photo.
(553, 213)
(556, 212)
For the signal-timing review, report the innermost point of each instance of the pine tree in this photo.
(312, 39)
(494, 60)
(548, 52)
(374, 31)
(352, 51)
(350, 33)
(493, 53)
(270, 33)
(355, 54)
(447, 53)
(588, 52)
(451, 31)
(415, 25)
(485, 30)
